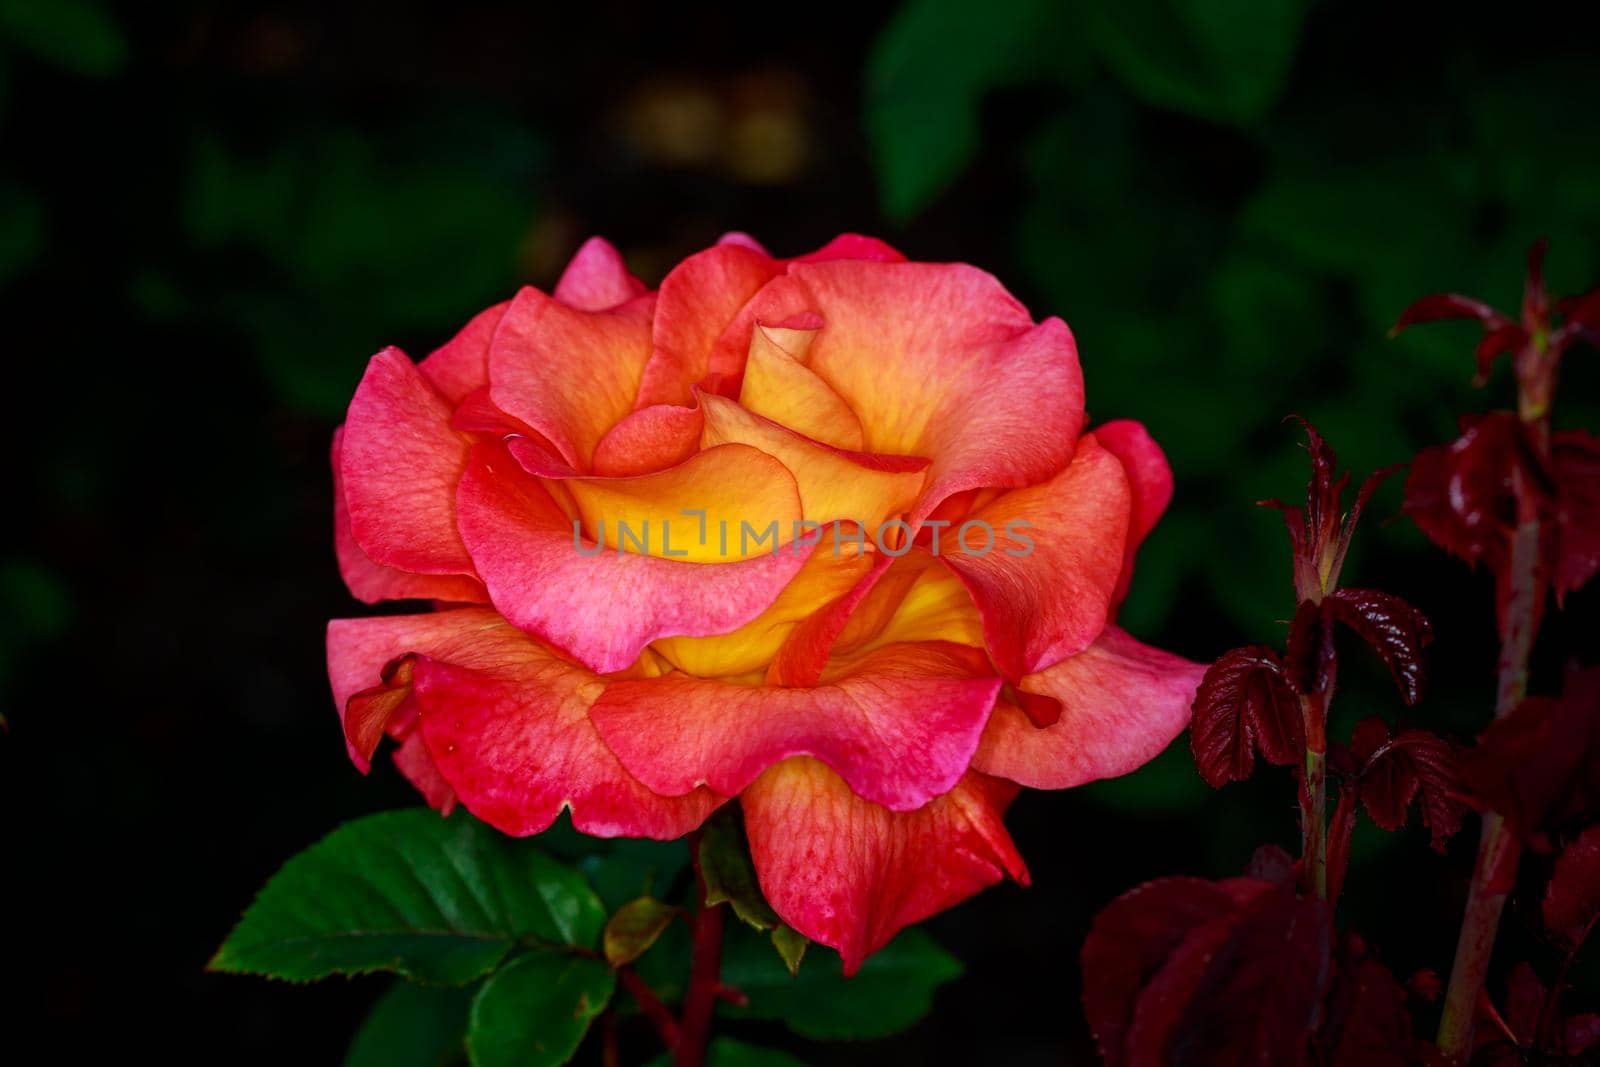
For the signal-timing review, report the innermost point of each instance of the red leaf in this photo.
(1241, 989)
(1245, 704)
(1503, 340)
(1395, 630)
(1388, 785)
(1572, 899)
(1309, 659)
(1269, 863)
(1368, 1025)
(1448, 306)
(1575, 468)
(1461, 495)
(1540, 765)
(1130, 941)
(1411, 765)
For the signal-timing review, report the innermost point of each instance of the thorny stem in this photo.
(700, 1001)
(1314, 830)
(1499, 849)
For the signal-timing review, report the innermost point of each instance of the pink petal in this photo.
(505, 721)
(370, 582)
(853, 246)
(461, 365)
(597, 278)
(400, 462)
(851, 874)
(411, 758)
(1122, 703)
(899, 726)
(937, 360)
(648, 440)
(698, 299)
(602, 609)
(570, 375)
(1149, 478)
(1054, 600)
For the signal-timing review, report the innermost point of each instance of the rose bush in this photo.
(874, 700)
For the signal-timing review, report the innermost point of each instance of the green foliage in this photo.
(437, 900)
(75, 35)
(535, 1010)
(730, 877)
(328, 273)
(1223, 60)
(413, 1026)
(928, 75)
(1224, 269)
(634, 927)
(892, 991)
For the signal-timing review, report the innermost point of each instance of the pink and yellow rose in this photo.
(872, 686)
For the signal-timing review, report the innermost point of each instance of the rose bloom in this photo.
(873, 703)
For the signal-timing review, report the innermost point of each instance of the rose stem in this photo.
(650, 1006)
(705, 966)
(1499, 849)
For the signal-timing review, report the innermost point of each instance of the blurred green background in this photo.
(211, 216)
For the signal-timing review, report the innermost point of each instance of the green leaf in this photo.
(930, 70)
(892, 991)
(438, 900)
(634, 928)
(413, 1026)
(791, 945)
(536, 1009)
(726, 1052)
(76, 35)
(1221, 60)
(730, 876)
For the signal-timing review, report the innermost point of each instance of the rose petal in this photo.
(461, 365)
(1052, 601)
(698, 299)
(602, 608)
(400, 462)
(938, 360)
(853, 246)
(1122, 703)
(571, 375)
(412, 760)
(649, 439)
(900, 725)
(833, 484)
(778, 385)
(1149, 479)
(506, 723)
(370, 582)
(827, 574)
(597, 278)
(850, 874)
(712, 508)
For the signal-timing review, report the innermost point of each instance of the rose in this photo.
(874, 708)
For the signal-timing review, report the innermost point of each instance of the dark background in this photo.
(209, 218)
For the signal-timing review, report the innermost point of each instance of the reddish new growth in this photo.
(1523, 499)
(1250, 970)
(1508, 467)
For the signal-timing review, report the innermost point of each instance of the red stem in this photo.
(650, 1005)
(700, 1001)
(1499, 849)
